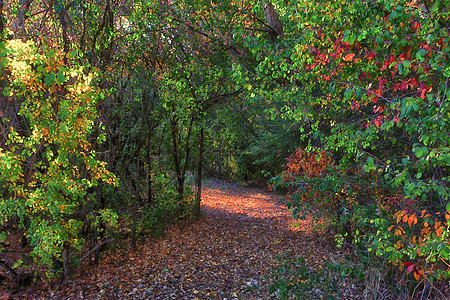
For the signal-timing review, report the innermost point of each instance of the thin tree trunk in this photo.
(198, 197)
(62, 20)
(1, 21)
(149, 178)
(176, 158)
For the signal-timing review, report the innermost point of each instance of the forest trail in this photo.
(229, 253)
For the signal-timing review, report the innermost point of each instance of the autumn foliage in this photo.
(372, 81)
(97, 88)
(49, 167)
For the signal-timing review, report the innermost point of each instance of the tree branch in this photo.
(100, 244)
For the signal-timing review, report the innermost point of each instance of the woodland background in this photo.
(113, 111)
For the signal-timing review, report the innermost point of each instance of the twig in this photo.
(367, 90)
(96, 248)
(5, 263)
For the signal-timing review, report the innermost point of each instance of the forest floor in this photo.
(231, 252)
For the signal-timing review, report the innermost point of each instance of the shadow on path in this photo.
(229, 253)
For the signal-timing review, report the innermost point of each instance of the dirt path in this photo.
(228, 254)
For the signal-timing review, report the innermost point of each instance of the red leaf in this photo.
(370, 55)
(410, 267)
(395, 86)
(404, 87)
(361, 75)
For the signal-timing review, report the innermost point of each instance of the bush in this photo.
(49, 169)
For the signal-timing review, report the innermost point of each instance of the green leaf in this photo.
(420, 55)
(49, 79)
(18, 263)
(60, 77)
(348, 94)
(393, 16)
(448, 207)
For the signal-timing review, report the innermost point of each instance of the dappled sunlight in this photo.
(231, 252)
(253, 203)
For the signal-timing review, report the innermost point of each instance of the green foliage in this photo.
(297, 279)
(369, 83)
(245, 142)
(50, 167)
(359, 88)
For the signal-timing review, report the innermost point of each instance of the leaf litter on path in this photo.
(229, 253)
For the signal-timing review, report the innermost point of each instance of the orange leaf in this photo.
(437, 224)
(398, 215)
(425, 231)
(405, 218)
(418, 273)
(349, 57)
(412, 219)
(423, 213)
(390, 227)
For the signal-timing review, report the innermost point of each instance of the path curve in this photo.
(229, 253)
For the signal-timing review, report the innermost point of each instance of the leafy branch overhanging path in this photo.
(229, 253)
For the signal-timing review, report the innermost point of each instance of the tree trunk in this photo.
(176, 158)
(149, 178)
(1, 21)
(198, 196)
(272, 20)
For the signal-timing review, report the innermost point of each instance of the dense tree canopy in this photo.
(111, 109)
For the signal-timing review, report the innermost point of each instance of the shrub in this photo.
(48, 168)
